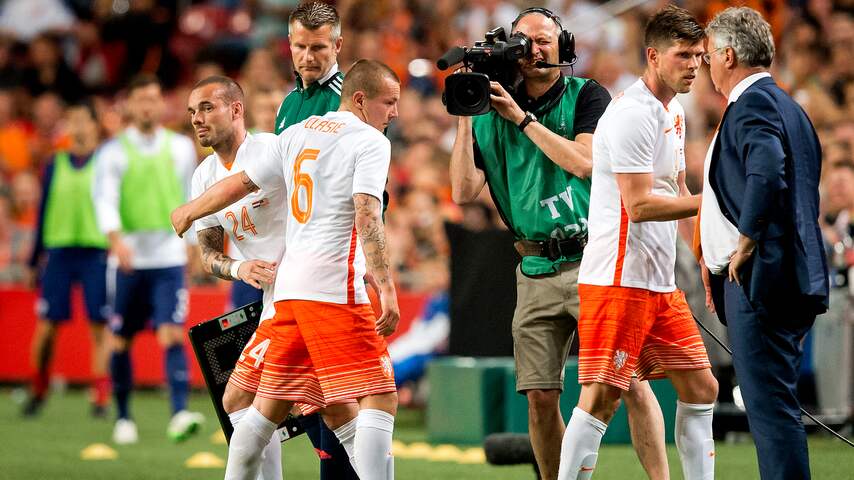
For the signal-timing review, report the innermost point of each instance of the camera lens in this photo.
(468, 93)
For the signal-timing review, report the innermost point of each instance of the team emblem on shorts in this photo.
(620, 359)
(385, 362)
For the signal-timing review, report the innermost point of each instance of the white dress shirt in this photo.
(718, 236)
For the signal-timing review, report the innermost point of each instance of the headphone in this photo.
(565, 39)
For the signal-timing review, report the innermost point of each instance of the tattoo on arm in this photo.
(215, 262)
(248, 183)
(369, 227)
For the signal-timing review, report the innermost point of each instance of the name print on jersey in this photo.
(323, 126)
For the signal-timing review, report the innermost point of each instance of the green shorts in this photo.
(543, 326)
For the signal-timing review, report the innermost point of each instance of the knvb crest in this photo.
(620, 358)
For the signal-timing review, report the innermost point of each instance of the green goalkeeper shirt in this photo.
(317, 98)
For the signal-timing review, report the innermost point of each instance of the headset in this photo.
(565, 39)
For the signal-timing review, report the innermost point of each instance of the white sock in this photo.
(251, 436)
(694, 440)
(580, 446)
(347, 436)
(373, 444)
(271, 457)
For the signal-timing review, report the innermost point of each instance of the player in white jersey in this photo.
(324, 344)
(632, 319)
(255, 225)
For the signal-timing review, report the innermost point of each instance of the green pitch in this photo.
(50, 446)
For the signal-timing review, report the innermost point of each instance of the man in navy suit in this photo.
(760, 236)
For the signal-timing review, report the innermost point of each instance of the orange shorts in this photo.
(316, 353)
(626, 331)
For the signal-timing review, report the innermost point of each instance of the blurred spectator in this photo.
(484, 15)
(838, 225)
(49, 72)
(262, 71)
(48, 135)
(262, 107)
(27, 18)
(270, 19)
(143, 29)
(14, 138)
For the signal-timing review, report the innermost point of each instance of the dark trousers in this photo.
(766, 344)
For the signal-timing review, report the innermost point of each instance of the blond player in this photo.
(324, 345)
(632, 318)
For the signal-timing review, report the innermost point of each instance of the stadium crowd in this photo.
(53, 52)
(81, 49)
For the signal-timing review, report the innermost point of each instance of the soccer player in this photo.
(76, 252)
(632, 319)
(141, 175)
(255, 225)
(324, 345)
(262, 108)
(314, 34)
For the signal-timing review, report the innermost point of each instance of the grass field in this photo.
(49, 447)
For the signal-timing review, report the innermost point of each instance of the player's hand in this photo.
(736, 262)
(123, 254)
(387, 323)
(707, 285)
(181, 221)
(257, 272)
(504, 104)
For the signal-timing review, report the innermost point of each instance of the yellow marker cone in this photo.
(98, 451)
(473, 455)
(399, 449)
(218, 438)
(416, 450)
(445, 453)
(204, 460)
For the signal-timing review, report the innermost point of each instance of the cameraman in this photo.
(535, 151)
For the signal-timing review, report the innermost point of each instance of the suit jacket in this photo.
(765, 171)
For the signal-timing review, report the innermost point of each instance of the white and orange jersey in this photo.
(322, 162)
(255, 225)
(636, 134)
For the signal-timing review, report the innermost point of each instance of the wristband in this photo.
(235, 266)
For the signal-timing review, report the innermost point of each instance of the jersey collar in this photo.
(322, 82)
(545, 101)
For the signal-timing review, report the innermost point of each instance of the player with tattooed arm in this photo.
(324, 345)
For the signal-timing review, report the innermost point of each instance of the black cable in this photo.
(725, 347)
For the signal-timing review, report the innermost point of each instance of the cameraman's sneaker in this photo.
(124, 433)
(183, 425)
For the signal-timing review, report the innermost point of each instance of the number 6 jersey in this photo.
(321, 163)
(256, 224)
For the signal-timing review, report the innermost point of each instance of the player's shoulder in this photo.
(636, 97)
(206, 168)
(633, 106)
(261, 139)
(368, 136)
